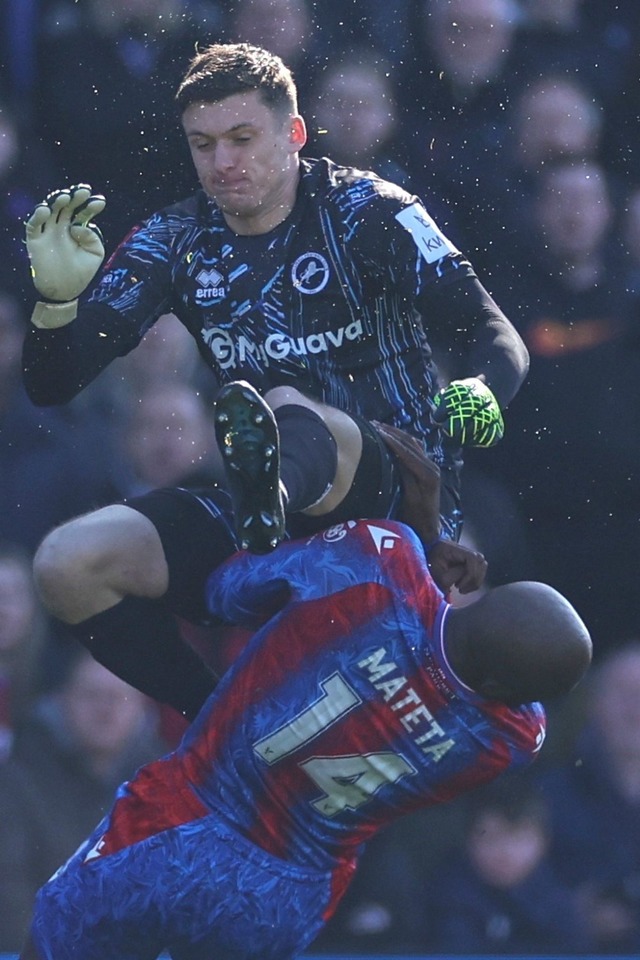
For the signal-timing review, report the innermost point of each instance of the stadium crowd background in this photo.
(516, 121)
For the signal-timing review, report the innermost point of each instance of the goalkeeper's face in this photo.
(246, 157)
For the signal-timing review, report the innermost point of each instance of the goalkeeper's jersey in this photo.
(341, 714)
(339, 299)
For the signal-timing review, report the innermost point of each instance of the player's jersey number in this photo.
(346, 781)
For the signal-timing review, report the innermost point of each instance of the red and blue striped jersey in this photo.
(341, 714)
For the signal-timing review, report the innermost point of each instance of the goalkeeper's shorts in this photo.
(196, 526)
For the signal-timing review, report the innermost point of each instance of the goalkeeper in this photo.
(66, 251)
(321, 287)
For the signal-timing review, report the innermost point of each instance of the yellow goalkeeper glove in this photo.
(468, 412)
(66, 251)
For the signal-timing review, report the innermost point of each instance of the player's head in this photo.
(239, 113)
(520, 642)
(221, 70)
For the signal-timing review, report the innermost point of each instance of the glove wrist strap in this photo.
(50, 316)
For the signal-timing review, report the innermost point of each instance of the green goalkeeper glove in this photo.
(468, 412)
(66, 250)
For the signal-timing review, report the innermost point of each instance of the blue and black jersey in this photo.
(341, 300)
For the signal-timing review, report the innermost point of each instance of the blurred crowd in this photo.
(516, 123)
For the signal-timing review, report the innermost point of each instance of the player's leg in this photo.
(332, 466)
(141, 884)
(89, 564)
(366, 480)
(120, 576)
(320, 449)
(96, 908)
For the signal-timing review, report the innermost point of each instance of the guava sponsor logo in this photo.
(230, 351)
(221, 345)
(212, 286)
(310, 273)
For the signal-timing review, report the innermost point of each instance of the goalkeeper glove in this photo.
(66, 250)
(468, 412)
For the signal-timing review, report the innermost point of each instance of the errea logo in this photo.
(212, 285)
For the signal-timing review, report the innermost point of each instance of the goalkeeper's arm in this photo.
(61, 357)
(475, 338)
(66, 251)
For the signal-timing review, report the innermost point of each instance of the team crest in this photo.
(338, 531)
(310, 273)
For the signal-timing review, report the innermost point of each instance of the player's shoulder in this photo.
(524, 727)
(195, 210)
(347, 186)
(374, 536)
(166, 229)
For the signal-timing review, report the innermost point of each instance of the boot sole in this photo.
(247, 435)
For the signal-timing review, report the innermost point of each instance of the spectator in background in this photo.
(472, 61)
(386, 27)
(108, 77)
(501, 895)
(382, 911)
(594, 799)
(571, 233)
(469, 41)
(554, 118)
(630, 230)
(23, 631)
(574, 459)
(21, 24)
(23, 173)
(457, 85)
(54, 464)
(288, 28)
(167, 354)
(168, 440)
(591, 39)
(80, 741)
(356, 93)
(621, 118)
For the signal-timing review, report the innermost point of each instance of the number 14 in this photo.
(346, 781)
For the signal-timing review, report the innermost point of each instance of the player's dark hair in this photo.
(223, 69)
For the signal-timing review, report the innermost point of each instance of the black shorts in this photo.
(195, 525)
(376, 491)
